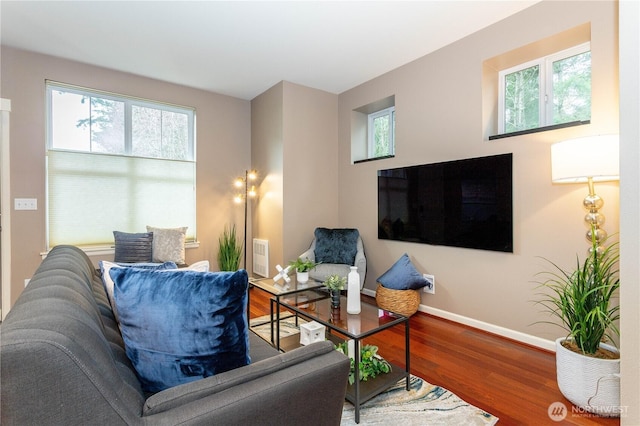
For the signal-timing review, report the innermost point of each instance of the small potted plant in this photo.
(335, 283)
(302, 268)
(371, 364)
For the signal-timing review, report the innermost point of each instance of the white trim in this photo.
(5, 214)
(110, 250)
(548, 345)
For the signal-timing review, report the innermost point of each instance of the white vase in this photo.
(302, 277)
(353, 291)
(592, 384)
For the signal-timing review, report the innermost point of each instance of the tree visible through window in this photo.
(552, 90)
(382, 132)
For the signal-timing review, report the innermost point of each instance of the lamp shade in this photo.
(576, 160)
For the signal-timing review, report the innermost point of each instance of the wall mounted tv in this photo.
(462, 203)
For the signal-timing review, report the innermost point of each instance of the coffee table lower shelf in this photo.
(373, 387)
(368, 388)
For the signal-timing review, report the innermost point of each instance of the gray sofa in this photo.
(63, 363)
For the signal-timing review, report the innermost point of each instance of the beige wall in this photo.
(439, 106)
(294, 146)
(223, 148)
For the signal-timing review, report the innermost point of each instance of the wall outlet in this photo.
(431, 284)
(26, 281)
(25, 203)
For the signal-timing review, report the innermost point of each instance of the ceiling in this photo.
(242, 48)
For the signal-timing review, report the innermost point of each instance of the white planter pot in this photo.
(591, 384)
(302, 277)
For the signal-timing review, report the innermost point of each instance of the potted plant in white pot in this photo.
(587, 368)
(302, 268)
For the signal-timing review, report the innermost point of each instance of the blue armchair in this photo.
(336, 250)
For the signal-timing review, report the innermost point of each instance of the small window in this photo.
(381, 133)
(555, 89)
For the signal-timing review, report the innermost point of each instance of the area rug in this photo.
(423, 404)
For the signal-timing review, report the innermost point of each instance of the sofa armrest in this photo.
(286, 386)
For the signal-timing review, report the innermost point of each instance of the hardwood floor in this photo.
(513, 381)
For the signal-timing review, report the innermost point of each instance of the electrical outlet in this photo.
(25, 203)
(431, 284)
(26, 281)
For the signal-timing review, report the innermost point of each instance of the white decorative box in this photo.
(311, 332)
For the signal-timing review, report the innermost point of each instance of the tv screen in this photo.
(462, 203)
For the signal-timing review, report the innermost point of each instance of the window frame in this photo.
(389, 111)
(545, 106)
(129, 102)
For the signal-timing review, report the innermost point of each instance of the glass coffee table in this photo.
(279, 290)
(315, 305)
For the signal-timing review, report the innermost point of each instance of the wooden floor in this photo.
(513, 381)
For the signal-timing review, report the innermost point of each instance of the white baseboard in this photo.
(518, 336)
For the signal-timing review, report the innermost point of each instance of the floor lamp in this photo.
(588, 160)
(249, 192)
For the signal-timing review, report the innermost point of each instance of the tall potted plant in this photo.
(229, 250)
(587, 369)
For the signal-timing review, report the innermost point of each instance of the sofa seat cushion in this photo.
(181, 326)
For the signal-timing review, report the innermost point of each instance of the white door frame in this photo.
(5, 204)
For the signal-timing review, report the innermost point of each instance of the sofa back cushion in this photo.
(181, 326)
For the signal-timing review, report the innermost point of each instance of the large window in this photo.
(381, 127)
(116, 163)
(555, 89)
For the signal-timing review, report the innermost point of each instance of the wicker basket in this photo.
(404, 302)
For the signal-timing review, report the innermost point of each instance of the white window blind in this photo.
(91, 195)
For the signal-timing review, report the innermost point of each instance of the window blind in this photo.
(92, 195)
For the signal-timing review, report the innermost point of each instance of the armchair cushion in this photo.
(336, 245)
(181, 326)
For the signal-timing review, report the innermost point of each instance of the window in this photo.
(552, 90)
(381, 128)
(116, 163)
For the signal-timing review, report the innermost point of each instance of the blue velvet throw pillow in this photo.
(336, 245)
(182, 326)
(402, 276)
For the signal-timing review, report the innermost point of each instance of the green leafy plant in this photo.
(230, 250)
(371, 364)
(335, 282)
(581, 298)
(303, 265)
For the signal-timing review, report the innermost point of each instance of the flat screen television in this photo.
(462, 203)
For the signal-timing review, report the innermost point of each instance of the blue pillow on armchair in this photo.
(336, 245)
(181, 326)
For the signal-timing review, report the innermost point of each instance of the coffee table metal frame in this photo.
(279, 290)
(371, 320)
